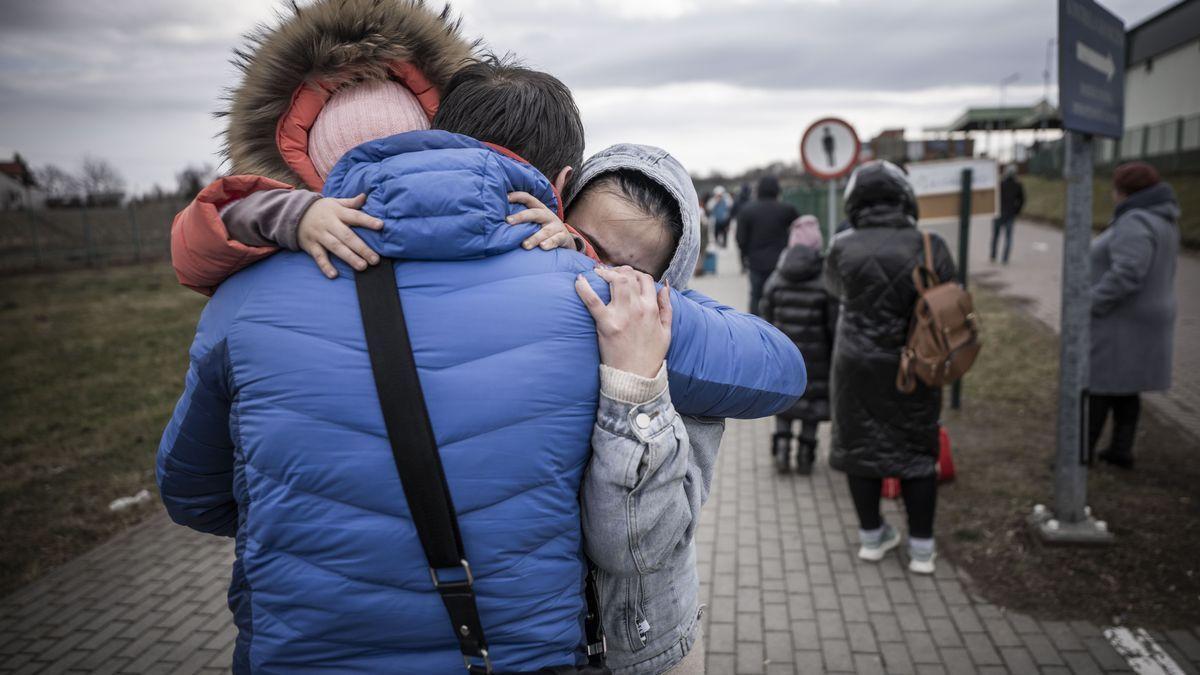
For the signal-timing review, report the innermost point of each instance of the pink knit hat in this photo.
(360, 113)
(805, 231)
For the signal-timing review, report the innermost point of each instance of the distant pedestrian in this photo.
(720, 210)
(1012, 200)
(1133, 305)
(795, 301)
(744, 196)
(879, 432)
(762, 234)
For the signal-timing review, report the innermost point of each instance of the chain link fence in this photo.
(85, 237)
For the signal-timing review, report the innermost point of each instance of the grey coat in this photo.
(1133, 295)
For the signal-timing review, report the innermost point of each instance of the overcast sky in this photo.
(723, 84)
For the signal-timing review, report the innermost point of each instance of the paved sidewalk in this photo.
(784, 593)
(1034, 273)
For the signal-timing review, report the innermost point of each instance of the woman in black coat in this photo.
(795, 301)
(879, 432)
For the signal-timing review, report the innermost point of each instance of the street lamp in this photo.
(1046, 84)
(1004, 85)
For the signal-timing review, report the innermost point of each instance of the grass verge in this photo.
(92, 364)
(1004, 441)
(1045, 200)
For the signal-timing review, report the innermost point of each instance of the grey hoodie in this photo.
(665, 170)
(649, 474)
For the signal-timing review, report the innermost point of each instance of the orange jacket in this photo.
(204, 255)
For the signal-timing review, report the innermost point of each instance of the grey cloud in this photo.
(860, 44)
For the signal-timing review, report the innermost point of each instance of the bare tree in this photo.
(101, 181)
(192, 179)
(60, 185)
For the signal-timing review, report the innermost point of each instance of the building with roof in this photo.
(18, 187)
(1162, 83)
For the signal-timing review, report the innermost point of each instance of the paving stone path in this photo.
(784, 592)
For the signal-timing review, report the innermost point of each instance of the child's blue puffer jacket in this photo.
(278, 439)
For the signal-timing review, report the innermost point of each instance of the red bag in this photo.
(945, 466)
(945, 462)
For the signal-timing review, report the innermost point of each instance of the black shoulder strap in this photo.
(414, 448)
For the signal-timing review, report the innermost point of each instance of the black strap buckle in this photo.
(598, 648)
(474, 667)
(439, 584)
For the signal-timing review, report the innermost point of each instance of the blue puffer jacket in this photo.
(278, 438)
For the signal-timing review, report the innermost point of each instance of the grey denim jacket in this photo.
(648, 477)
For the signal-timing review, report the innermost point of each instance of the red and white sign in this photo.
(830, 148)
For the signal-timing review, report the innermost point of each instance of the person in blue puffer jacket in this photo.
(279, 441)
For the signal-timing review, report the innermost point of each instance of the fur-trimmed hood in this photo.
(291, 69)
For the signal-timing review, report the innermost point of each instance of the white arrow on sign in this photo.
(1091, 57)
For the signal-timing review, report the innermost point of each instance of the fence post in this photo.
(88, 253)
(137, 234)
(1179, 142)
(33, 235)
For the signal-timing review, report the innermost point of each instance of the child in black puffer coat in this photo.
(795, 301)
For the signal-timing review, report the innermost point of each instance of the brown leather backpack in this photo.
(943, 336)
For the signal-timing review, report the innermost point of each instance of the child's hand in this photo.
(553, 234)
(325, 228)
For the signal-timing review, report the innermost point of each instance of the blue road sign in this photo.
(1091, 68)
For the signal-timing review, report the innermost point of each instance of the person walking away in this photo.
(1012, 200)
(762, 235)
(745, 192)
(1133, 305)
(795, 301)
(720, 209)
(705, 226)
(879, 432)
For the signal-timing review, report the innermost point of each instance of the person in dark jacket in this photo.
(795, 301)
(1133, 305)
(879, 432)
(762, 234)
(741, 201)
(1012, 200)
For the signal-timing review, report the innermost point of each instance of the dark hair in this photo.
(768, 187)
(497, 100)
(1132, 177)
(645, 194)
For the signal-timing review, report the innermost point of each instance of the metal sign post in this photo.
(1091, 85)
(964, 256)
(831, 221)
(829, 150)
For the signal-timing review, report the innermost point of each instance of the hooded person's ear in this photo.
(560, 181)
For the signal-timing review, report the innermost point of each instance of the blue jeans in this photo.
(1004, 225)
(758, 279)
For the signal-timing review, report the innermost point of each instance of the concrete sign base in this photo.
(1049, 530)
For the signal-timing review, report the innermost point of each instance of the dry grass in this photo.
(1004, 443)
(92, 363)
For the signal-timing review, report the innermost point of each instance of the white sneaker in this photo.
(876, 552)
(919, 564)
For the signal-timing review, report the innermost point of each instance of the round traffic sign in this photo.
(829, 148)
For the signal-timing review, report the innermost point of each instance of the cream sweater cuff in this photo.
(626, 387)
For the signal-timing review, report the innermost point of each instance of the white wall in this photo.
(13, 195)
(1170, 89)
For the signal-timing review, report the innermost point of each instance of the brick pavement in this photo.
(784, 593)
